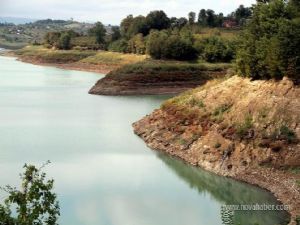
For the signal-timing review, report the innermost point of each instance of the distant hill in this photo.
(33, 31)
(16, 20)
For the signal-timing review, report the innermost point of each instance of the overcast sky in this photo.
(110, 11)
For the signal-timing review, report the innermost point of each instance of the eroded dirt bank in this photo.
(247, 130)
(153, 78)
(103, 69)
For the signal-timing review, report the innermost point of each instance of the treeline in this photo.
(174, 38)
(158, 35)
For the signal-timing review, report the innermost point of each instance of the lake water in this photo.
(104, 174)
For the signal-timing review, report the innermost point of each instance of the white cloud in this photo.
(110, 11)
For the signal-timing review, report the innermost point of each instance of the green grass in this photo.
(221, 109)
(166, 71)
(243, 128)
(113, 58)
(295, 170)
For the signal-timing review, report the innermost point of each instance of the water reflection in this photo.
(228, 192)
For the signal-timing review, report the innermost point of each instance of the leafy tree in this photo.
(116, 34)
(269, 46)
(99, 32)
(52, 38)
(158, 20)
(177, 48)
(155, 43)
(120, 45)
(35, 203)
(137, 44)
(215, 49)
(138, 25)
(202, 17)
(210, 20)
(166, 45)
(125, 25)
(192, 17)
(64, 41)
(241, 14)
(178, 22)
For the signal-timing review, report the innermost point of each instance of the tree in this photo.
(155, 43)
(158, 20)
(125, 24)
(99, 32)
(35, 203)
(166, 45)
(64, 41)
(202, 17)
(269, 46)
(177, 48)
(215, 49)
(137, 44)
(52, 38)
(192, 17)
(120, 45)
(178, 22)
(116, 34)
(219, 20)
(138, 25)
(210, 20)
(241, 14)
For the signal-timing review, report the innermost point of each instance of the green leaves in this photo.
(269, 46)
(35, 203)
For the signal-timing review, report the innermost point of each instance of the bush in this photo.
(137, 45)
(269, 46)
(161, 45)
(215, 49)
(119, 46)
(85, 42)
(64, 41)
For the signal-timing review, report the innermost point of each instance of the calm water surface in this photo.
(104, 174)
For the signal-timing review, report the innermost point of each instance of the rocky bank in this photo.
(247, 130)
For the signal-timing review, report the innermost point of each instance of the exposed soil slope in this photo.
(84, 60)
(248, 130)
(156, 77)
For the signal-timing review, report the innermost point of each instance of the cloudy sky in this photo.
(109, 11)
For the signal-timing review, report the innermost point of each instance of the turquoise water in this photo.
(104, 174)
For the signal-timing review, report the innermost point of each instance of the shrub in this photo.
(215, 49)
(64, 41)
(119, 46)
(298, 220)
(162, 45)
(85, 42)
(137, 45)
(242, 129)
(287, 134)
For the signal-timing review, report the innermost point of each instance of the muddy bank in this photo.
(111, 87)
(237, 128)
(103, 69)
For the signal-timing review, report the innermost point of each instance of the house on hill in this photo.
(230, 23)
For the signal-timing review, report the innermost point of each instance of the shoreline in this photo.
(101, 69)
(272, 180)
(263, 178)
(194, 128)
